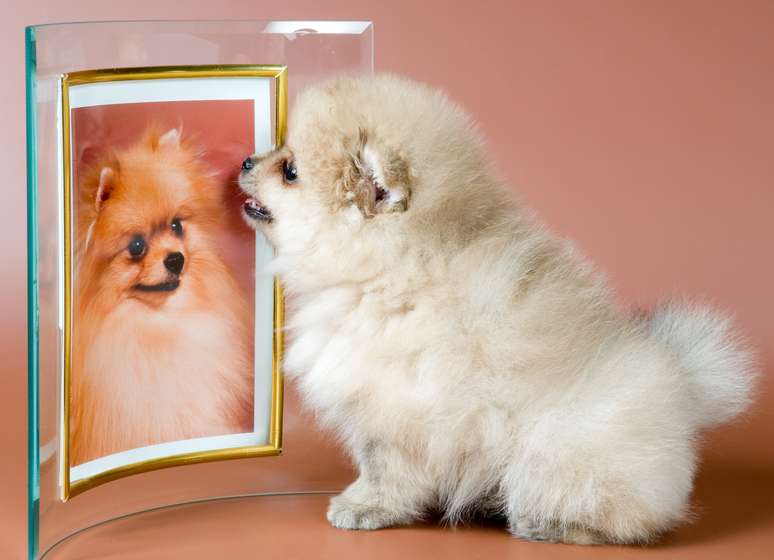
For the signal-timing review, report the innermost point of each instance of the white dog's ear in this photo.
(376, 179)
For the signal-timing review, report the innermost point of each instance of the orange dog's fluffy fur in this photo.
(162, 346)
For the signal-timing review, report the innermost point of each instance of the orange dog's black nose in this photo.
(248, 164)
(174, 262)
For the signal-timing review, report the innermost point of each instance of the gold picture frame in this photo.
(279, 73)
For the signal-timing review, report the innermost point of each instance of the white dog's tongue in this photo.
(252, 204)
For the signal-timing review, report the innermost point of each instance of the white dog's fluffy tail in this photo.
(721, 368)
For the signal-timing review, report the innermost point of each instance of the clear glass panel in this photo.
(312, 51)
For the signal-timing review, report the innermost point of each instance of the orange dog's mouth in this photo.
(169, 286)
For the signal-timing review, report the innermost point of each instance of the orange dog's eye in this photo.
(137, 247)
(177, 227)
(289, 172)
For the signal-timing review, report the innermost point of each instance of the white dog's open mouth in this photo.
(255, 210)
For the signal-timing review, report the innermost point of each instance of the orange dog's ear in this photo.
(375, 178)
(170, 139)
(107, 182)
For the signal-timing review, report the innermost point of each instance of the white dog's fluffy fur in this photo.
(470, 360)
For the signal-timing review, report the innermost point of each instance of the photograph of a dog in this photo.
(163, 320)
(470, 360)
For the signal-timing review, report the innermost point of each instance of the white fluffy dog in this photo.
(470, 360)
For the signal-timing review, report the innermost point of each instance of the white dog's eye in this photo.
(289, 171)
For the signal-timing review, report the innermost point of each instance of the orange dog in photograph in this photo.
(162, 333)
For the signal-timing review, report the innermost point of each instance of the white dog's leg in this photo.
(386, 493)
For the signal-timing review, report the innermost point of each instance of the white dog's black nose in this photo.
(248, 164)
(174, 262)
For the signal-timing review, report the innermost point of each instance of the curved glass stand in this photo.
(56, 547)
(293, 55)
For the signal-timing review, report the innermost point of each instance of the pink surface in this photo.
(643, 130)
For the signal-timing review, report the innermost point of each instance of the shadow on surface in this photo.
(728, 500)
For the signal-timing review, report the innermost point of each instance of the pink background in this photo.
(644, 130)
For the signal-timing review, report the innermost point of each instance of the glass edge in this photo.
(368, 24)
(372, 43)
(33, 480)
(186, 503)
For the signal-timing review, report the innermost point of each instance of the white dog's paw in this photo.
(346, 514)
(525, 528)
